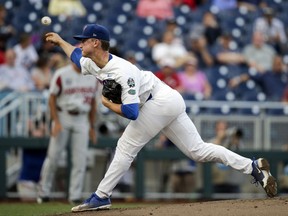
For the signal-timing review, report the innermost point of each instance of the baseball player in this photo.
(72, 106)
(152, 107)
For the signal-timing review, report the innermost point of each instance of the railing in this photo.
(274, 157)
(264, 131)
(261, 121)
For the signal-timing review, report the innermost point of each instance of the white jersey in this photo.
(26, 57)
(74, 91)
(136, 84)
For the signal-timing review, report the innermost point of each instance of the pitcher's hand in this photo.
(53, 38)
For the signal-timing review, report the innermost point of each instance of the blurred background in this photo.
(227, 58)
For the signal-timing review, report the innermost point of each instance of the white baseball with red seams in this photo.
(46, 20)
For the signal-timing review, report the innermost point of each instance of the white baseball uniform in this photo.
(74, 96)
(162, 109)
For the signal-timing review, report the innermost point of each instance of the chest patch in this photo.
(132, 92)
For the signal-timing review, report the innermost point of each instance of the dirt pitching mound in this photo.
(275, 206)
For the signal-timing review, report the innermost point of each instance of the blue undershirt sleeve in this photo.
(130, 111)
(76, 56)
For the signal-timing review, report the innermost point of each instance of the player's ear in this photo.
(96, 42)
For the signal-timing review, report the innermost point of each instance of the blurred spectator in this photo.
(26, 52)
(224, 4)
(170, 25)
(169, 75)
(7, 31)
(225, 179)
(285, 95)
(42, 73)
(251, 5)
(168, 48)
(258, 54)
(2, 51)
(70, 8)
(272, 83)
(272, 28)
(198, 46)
(130, 56)
(160, 9)
(181, 176)
(194, 82)
(230, 138)
(14, 77)
(226, 53)
(57, 59)
(212, 29)
(192, 4)
(202, 36)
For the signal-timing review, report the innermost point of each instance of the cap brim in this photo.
(80, 37)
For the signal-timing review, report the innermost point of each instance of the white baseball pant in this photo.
(165, 112)
(75, 127)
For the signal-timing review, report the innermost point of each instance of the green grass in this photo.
(34, 209)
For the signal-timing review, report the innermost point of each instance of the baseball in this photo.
(46, 20)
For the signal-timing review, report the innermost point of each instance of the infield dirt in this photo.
(255, 207)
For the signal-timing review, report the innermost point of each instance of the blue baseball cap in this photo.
(94, 31)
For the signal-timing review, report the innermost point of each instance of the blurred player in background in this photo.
(73, 108)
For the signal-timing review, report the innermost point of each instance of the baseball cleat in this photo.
(93, 203)
(261, 173)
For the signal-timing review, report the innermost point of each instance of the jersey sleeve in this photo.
(89, 67)
(56, 84)
(76, 56)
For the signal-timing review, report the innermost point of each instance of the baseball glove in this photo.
(112, 90)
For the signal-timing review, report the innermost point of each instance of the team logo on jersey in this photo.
(132, 92)
(131, 82)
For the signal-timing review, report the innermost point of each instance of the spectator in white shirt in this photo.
(272, 28)
(14, 77)
(169, 48)
(27, 55)
(259, 54)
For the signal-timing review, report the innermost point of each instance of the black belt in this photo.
(149, 98)
(71, 112)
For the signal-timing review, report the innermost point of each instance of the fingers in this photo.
(49, 35)
(52, 37)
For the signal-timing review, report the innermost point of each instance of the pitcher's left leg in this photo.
(183, 133)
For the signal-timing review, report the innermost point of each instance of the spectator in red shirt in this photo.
(168, 74)
(160, 9)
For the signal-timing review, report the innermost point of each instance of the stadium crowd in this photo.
(191, 45)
